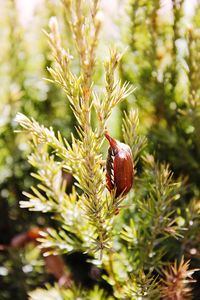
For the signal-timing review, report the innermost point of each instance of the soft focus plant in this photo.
(163, 64)
(22, 67)
(130, 246)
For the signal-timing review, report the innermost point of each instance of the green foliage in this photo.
(131, 137)
(68, 294)
(164, 43)
(22, 67)
(129, 240)
(165, 56)
(82, 158)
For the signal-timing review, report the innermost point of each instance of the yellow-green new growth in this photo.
(82, 157)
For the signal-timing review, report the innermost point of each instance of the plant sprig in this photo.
(82, 157)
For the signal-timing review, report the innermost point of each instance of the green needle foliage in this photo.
(83, 157)
(129, 246)
(22, 67)
(164, 56)
(163, 63)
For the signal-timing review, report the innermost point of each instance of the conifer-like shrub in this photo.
(135, 242)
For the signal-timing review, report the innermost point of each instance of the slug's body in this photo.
(119, 167)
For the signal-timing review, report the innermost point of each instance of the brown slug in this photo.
(119, 167)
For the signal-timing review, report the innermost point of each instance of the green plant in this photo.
(130, 246)
(22, 67)
(163, 64)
